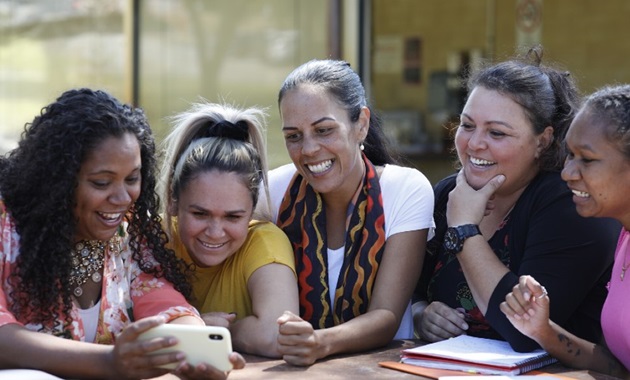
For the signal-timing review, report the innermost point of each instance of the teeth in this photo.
(321, 167)
(479, 161)
(212, 246)
(110, 216)
(581, 194)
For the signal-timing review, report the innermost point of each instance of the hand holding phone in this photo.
(201, 344)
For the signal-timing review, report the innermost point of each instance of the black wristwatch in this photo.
(455, 237)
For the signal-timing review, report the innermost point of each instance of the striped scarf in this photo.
(302, 217)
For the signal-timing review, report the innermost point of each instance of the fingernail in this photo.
(465, 326)
(526, 295)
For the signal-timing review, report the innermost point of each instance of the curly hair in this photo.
(38, 181)
(610, 106)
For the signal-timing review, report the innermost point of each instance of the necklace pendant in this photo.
(77, 291)
(96, 277)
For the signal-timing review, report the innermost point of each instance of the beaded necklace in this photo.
(87, 262)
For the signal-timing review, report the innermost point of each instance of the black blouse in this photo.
(542, 236)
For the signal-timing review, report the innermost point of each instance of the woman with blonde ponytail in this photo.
(244, 271)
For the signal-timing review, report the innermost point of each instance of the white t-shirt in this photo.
(407, 205)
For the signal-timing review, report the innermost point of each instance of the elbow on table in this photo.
(523, 344)
(264, 345)
(388, 328)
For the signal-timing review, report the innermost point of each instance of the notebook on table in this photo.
(476, 355)
(445, 374)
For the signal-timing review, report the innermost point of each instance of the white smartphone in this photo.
(200, 344)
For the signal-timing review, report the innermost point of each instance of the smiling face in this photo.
(322, 141)
(596, 170)
(496, 137)
(213, 213)
(108, 185)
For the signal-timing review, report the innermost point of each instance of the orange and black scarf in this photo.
(302, 217)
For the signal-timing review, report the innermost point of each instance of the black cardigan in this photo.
(544, 237)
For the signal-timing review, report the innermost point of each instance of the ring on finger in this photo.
(544, 293)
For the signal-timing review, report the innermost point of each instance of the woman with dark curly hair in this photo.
(82, 249)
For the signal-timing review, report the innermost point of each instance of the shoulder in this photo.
(444, 186)
(407, 199)
(279, 179)
(282, 172)
(397, 177)
(549, 202)
(261, 227)
(266, 233)
(549, 181)
(266, 243)
(546, 188)
(390, 170)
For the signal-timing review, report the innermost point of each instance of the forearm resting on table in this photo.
(579, 353)
(373, 329)
(253, 335)
(21, 348)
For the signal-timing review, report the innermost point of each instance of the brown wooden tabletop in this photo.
(361, 366)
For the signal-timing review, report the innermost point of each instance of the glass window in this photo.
(238, 51)
(47, 47)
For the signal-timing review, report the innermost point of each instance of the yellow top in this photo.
(224, 287)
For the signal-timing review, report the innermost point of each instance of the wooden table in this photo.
(359, 366)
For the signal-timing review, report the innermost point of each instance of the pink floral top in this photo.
(128, 293)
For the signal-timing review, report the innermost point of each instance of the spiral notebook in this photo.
(476, 355)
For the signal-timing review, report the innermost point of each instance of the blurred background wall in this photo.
(164, 54)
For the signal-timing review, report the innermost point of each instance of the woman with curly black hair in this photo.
(82, 249)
